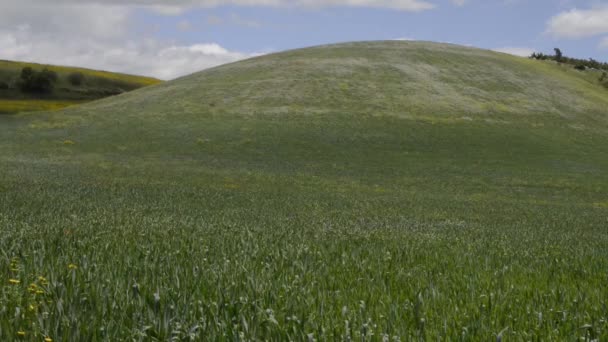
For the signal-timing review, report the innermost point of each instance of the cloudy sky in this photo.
(171, 38)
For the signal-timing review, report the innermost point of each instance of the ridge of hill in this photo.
(396, 78)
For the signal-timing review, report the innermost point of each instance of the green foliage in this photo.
(604, 79)
(580, 67)
(30, 89)
(295, 208)
(33, 81)
(76, 78)
(558, 55)
(578, 63)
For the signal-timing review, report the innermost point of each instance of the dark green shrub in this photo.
(33, 81)
(4, 85)
(76, 78)
(580, 67)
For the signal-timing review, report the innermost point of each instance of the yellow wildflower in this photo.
(72, 266)
(43, 281)
(48, 339)
(21, 333)
(39, 292)
(14, 281)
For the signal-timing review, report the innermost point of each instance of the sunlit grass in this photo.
(29, 105)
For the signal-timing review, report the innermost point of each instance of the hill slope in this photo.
(396, 78)
(94, 85)
(400, 189)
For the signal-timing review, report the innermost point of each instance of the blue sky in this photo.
(172, 38)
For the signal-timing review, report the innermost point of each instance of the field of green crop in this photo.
(178, 213)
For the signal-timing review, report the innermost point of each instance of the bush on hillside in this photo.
(604, 79)
(76, 78)
(33, 81)
(580, 67)
(4, 85)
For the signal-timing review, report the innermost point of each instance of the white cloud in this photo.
(149, 57)
(579, 23)
(459, 3)
(99, 33)
(97, 36)
(93, 20)
(516, 51)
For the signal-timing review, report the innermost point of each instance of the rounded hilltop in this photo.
(402, 78)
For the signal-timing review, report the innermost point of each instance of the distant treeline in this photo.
(41, 82)
(578, 63)
(45, 81)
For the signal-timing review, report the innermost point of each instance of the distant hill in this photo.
(72, 86)
(402, 79)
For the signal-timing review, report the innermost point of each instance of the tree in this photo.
(33, 81)
(558, 55)
(76, 78)
(26, 73)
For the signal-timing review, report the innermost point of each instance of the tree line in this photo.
(41, 81)
(578, 63)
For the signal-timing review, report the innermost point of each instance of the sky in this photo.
(168, 39)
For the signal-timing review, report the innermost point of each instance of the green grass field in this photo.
(96, 85)
(372, 191)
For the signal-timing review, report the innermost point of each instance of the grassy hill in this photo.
(95, 85)
(365, 191)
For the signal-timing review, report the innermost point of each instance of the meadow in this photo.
(208, 208)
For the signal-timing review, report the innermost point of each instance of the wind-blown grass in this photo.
(170, 214)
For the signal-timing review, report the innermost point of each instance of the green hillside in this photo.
(364, 191)
(93, 85)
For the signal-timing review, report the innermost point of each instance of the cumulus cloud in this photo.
(97, 36)
(148, 57)
(516, 51)
(579, 23)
